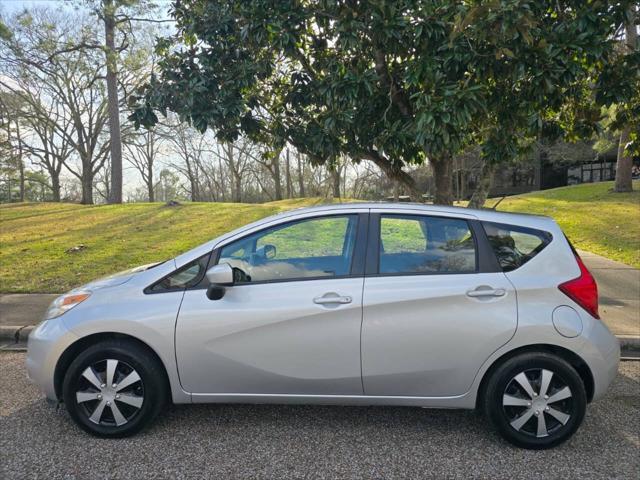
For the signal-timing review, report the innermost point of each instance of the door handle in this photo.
(331, 299)
(484, 291)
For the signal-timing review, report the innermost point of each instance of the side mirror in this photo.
(219, 276)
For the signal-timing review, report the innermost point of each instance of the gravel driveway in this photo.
(242, 441)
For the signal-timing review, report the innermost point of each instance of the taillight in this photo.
(582, 290)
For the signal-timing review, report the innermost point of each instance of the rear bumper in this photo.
(602, 357)
(46, 344)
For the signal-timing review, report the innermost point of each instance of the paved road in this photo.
(241, 441)
(619, 289)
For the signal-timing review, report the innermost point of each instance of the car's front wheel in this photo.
(114, 388)
(535, 400)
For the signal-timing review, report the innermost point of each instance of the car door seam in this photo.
(175, 344)
(364, 276)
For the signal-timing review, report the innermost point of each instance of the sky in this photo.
(10, 6)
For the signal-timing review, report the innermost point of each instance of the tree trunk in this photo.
(442, 177)
(21, 169)
(481, 191)
(395, 173)
(115, 195)
(287, 173)
(55, 185)
(624, 164)
(237, 193)
(20, 161)
(223, 184)
(195, 193)
(87, 187)
(150, 187)
(335, 181)
(277, 180)
(300, 176)
(396, 191)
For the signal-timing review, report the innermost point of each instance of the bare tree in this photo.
(38, 53)
(142, 152)
(102, 182)
(237, 157)
(14, 140)
(269, 161)
(188, 145)
(47, 125)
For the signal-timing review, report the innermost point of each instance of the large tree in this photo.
(619, 85)
(391, 82)
(118, 18)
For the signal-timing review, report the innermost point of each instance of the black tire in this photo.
(503, 382)
(131, 356)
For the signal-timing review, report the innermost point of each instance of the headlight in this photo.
(64, 303)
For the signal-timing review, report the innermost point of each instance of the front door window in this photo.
(314, 248)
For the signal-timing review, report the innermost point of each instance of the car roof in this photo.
(487, 214)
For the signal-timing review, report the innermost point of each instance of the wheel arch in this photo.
(72, 351)
(571, 357)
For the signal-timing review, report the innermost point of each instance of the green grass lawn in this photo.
(592, 216)
(34, 238)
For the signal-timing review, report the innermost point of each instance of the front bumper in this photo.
(46, 344)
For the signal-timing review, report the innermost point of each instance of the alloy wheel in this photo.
(537, 402)
(111, 392)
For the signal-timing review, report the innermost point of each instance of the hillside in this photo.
(36, 239)
(594, 218)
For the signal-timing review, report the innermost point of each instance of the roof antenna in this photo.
(498, 203)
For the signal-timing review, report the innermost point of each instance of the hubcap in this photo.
(537, 402)
(111, 392)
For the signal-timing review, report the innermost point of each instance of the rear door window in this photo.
(421, 244)
(514, 245)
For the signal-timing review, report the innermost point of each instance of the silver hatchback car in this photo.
(360, 304)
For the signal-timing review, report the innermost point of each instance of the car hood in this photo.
(117, 278)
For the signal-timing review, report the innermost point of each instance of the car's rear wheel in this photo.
(535, 400)
(114, 388)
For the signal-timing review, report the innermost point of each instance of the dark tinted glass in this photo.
(420, 244)
(514, 246)
(314, 248)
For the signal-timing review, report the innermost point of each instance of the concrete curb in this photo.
(19, 334)
(629, 343)
(15, 333)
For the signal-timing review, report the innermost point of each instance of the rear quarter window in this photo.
(514, 245)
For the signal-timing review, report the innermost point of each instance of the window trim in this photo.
(148, 290)
(356, 269)
(373, 249)
(487, 260)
